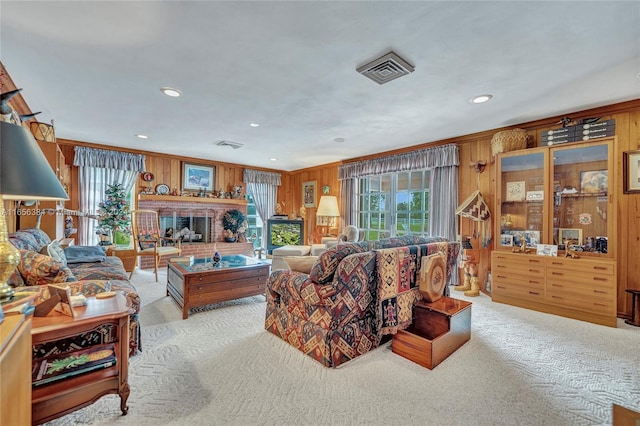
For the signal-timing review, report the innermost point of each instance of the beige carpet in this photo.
(220, 367)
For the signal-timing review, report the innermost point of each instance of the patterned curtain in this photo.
(263, 187)
(98, 168)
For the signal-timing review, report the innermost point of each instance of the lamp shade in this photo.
(25, 173)
(327, 210)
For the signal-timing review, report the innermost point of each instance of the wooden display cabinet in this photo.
(558, 199)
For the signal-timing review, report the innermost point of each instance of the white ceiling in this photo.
(96, 69)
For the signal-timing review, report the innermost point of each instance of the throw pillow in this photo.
(433, 277)
(146, 241)
(300, 263)
(39, 269)
(55, 250)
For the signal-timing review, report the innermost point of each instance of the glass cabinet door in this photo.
(581, 197)
(521, 199)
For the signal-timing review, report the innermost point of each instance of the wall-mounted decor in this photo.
(594, 182)
(631, 171)
(515, 191)
(196, 177)
(309, 194)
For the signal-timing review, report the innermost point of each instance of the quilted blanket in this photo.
(398, 278)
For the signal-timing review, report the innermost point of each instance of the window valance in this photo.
(429, 158)
(107, 159)
(259, 176)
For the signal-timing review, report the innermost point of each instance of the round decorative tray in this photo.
(162, 189)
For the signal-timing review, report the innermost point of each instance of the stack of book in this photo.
(581, 132)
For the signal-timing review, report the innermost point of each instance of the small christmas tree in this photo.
(114, 213)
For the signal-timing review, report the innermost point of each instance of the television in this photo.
(284, 232)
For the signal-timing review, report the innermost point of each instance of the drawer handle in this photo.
(558, 273)
(600, 268)
(599, 279)
(534, 270)
(535, 293)
(557, 263)
(499, 286)
(536, 261)
(502, 276)
(533, 282)
(557, 297)
(557, 285)
(600, 291)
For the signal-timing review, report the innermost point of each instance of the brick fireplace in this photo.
(202, 218)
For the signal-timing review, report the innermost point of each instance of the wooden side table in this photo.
(635, 308)
(15, 370)
(55, 399)
(129, 257)
(438, 330)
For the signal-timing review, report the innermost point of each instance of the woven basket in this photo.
(508, 140)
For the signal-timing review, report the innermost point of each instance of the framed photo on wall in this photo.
(631, 171)
(309, 194)
(594, 182)
(197, 177)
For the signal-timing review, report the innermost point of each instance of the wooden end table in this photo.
(61, 397)
(203, 282)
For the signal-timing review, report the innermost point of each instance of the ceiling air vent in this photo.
(386, 68)
(234, 145)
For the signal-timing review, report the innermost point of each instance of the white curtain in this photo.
(97, 169)
(263, 188)
(349, 215)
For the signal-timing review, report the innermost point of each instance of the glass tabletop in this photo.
(225, 262)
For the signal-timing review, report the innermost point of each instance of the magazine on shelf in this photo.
(69, 364)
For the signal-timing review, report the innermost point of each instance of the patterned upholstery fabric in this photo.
(95, 277)
(146, 241)
(39, 269)
(336, 319)
(111, 269)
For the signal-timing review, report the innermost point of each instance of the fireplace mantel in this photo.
(177, 198)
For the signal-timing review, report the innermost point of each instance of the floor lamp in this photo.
(327, 212)
(25, 174)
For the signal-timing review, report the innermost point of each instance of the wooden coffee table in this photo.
(205, 282)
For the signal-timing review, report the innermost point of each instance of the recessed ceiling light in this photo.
(338, 140)
(273, 159)
(142, 136)
(254, 124)
(480, 99)
(170, 91)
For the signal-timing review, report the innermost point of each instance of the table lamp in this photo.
(25, 174)
(327, 212)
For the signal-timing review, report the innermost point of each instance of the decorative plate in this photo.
(162, 189)
(147, 176)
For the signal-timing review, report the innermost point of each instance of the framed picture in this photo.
(506, 240)
(547, 250)
(532, 238)
(515, 191)
(309, 194)
(198, 177)
(594, 182)
(570, 236)
(631, 171)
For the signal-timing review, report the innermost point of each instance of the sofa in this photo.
(354, 294)
(86, 269)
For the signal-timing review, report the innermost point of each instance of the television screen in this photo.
(284, 232)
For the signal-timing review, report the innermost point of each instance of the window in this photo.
(255, 231)
(394, 204)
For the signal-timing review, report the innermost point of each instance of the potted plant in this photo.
(114, 214)
(234, 223)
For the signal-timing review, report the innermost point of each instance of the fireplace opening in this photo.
(189, 229)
